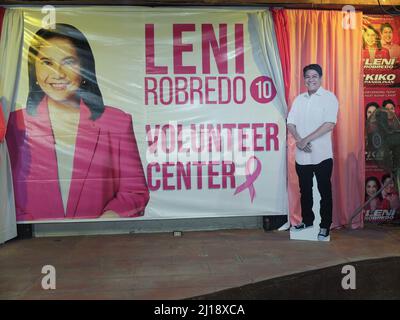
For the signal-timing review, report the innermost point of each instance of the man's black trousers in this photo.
(323, 173)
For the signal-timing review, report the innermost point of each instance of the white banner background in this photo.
(117, 38)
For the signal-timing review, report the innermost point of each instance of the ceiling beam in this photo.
(374, 6)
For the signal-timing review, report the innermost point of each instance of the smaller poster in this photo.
(381, 51)
(385, 206)
(381, 159)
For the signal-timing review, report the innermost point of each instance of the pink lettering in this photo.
(197, 146)
(179, 48)
(181, 90)
(171, 147)
(224, 89)
(236, 96)
(228, 172)
(180, 142)
(152, 141)
(209, 89)
(183, 175)
(156, 186)
(166, 84)
(211, 174)
(167, 175)
(151, 68)
(199, 165)
(239, 47)
(214, 138)
(220, 52)
(242, 136)
(271, 134)
(150, 90)
(257, 136)
(196, 90)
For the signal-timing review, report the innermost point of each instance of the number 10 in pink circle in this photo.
(262, 89)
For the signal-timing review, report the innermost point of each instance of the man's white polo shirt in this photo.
(308, 113)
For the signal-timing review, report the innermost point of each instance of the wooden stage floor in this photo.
(160, 266)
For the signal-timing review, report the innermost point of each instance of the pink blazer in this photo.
(107, 171)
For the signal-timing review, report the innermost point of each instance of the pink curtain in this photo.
(2, 120)
(282, 39)
(318, 37)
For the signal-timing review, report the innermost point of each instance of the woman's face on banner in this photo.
(390, 185)
(387, 35)
(370, 111)
(371, 188)
(58, 69)
(390, 108)
(370, 37)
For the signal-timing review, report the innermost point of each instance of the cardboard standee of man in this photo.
(310, 121)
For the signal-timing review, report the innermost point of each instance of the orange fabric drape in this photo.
(318, 37)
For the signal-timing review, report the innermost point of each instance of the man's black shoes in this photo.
(323, 234)
(301, 226)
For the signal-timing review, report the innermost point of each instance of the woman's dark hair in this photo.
(386, 25)
(371, 104)
(388, 101)
(375, 104)
(88, 91)
(315, 67)
(378, 186)
(378, 38)
(384, 177)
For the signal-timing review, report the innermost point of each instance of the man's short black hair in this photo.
(315, 67)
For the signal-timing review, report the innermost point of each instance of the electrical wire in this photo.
(396, 13)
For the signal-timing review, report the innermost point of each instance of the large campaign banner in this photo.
(381, 62)
(145, 114)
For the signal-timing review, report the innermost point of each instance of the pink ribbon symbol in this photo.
(250, 178)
